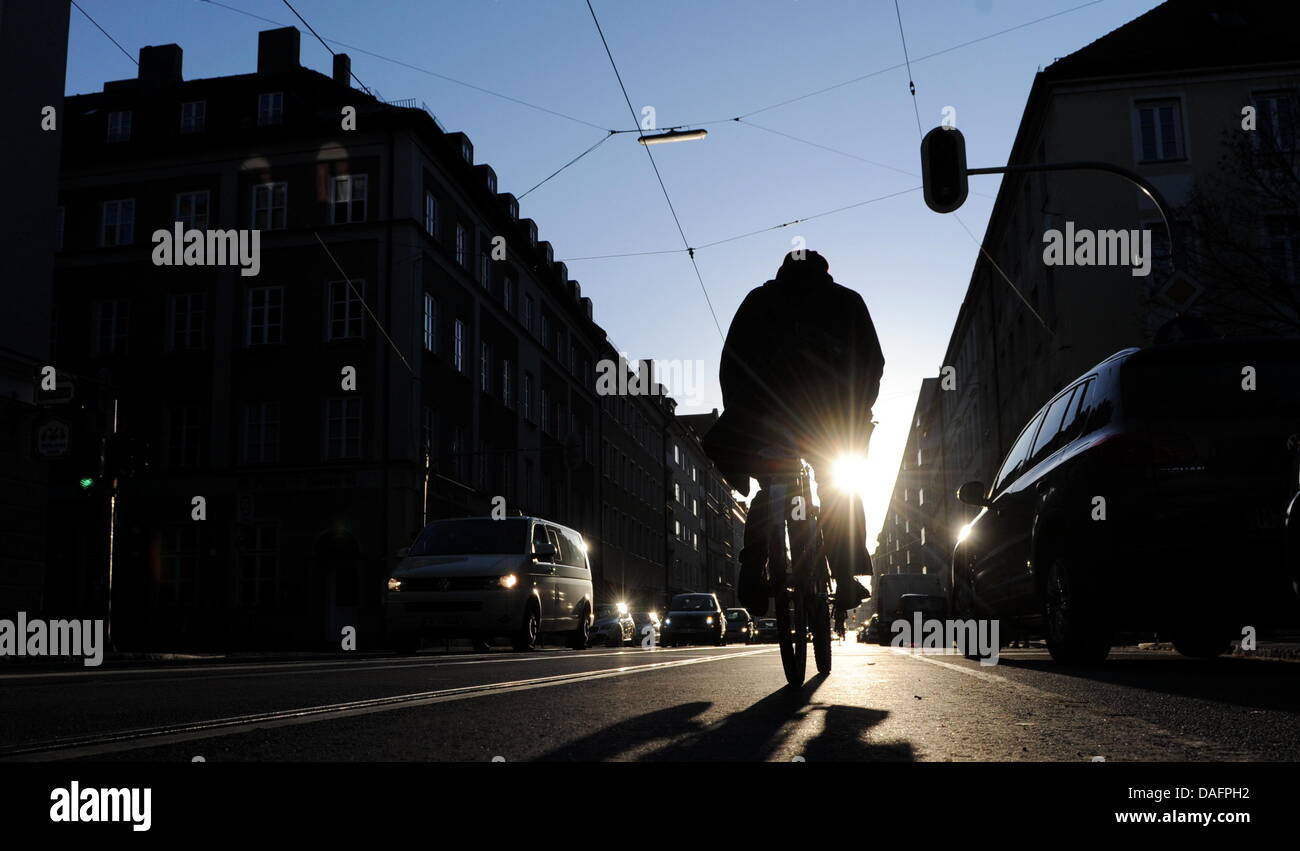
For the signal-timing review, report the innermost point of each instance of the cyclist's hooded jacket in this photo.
(801, 348)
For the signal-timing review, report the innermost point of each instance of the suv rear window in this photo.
(1211, 384)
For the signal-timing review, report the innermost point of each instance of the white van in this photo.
(480, 578)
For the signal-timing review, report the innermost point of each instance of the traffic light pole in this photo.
(1156, 196)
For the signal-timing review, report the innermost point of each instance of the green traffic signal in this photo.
(86, 483)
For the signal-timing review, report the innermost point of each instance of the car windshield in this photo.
(692, 603)
(735, 615)
(606, 611)
(472, 536)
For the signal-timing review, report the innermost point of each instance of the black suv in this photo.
(1147, 495)
(694, 618)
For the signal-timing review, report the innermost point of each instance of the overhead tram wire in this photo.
(978, 243)
(911, 83)
(416, 68)
(312, 30)
(746, 234)
(602, 141)
(877, 73)
(105, 32)
(690, 252)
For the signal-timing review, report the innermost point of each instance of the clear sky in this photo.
(694, 61)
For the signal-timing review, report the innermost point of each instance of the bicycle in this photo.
(799, 573)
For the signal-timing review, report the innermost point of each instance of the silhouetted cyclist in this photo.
(802, 359)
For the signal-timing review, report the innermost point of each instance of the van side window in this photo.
(539, 536)
(1084, 402)
(1048, 436)
(574, 551)
(1011, 467)
(555, 540)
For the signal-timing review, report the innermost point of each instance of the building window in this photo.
(526, 396)
(677, 454)
(184, 437)
(178, 570)
(1160, 129)
(111, 322)
(1283, 238)
(462, 246)
(507, 295)
(269, 208)
(265, 320)
(485, 367)
(430, 214)
(194, 116)
(348, 199)
(458, 346)
(270, 108)
(920, 496)
(346, 311)
(546, 411)
(546, 332)
(119, 126)
(192, 209)
(528, 313)
(426, 431)
(485, 270)
(261, 432)
(118, 223)
(1275, 121)
(259, 566)
(677, 492)
(695, 506)
(343, 428)
(186, 318)
(507, 384)
(430, 324)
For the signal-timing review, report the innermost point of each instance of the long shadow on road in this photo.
(1263, 684)
(753, 734)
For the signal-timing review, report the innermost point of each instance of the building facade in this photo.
(407, 350)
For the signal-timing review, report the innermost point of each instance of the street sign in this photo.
(64, 390)
(52, 439)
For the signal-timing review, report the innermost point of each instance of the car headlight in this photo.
(709, 620)
(510, 580)
(668, 621)
(394, 584)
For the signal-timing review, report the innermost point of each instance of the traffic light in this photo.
(943, 169)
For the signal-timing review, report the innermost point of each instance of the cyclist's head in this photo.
(804, 267)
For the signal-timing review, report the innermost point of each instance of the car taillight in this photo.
(1175, 453)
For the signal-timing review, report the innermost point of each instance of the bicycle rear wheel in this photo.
(792, 634)
(819, 620)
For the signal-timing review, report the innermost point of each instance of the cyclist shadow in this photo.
(756, 733)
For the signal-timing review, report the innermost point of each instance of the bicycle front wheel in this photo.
(819, 620)
(792, 634)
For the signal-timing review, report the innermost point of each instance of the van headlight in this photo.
(709, 620)
(510, 580)
(394, 584)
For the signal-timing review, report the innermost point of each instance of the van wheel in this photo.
(581, 638)
(525, 638)
(1201, 645)
(1077, 628)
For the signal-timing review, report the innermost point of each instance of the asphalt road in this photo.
(683, 704)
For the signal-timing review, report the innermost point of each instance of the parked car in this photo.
(1147, 493)
(641, 620)
(694, 618)
(869, 632)
(614, 626)
(741, 628)
(477, 578)
(767, 630)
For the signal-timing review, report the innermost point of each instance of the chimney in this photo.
(342, 69)
(160, 65)
(277, 50)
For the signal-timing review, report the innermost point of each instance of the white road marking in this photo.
(124, 740)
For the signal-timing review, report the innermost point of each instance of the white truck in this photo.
(889, 588)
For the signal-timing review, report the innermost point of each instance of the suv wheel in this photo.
(1201, 644)
(1077, 629)
(526, 636)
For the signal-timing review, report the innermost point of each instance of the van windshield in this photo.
(472, 536)
(693, 603)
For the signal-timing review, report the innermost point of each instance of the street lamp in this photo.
(672, 136)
